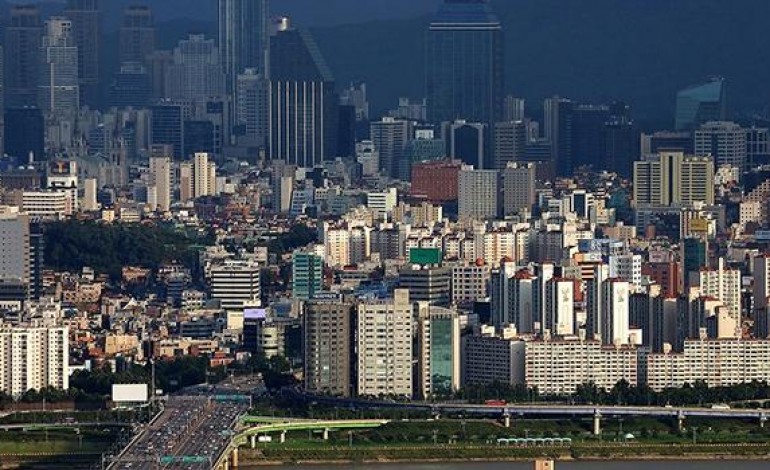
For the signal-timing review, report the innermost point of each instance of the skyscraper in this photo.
(86, 19)
(673, 179)
(390, 137)
(725, 142)
(250, 107)
(700, 104)
(196, 74)
(327, 326)
(558, 131)
(22, 56)
(160, 175)
(58, 90)
(137, 34)
(307, 275)
(464, 63)
(302, 100)
(243, 37)
(477, 193)
(518, 181)
(25, 133)
(510, 143)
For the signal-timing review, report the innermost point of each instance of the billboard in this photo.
(699, 225)
(129, 393)
(425, 256)
(254, 314)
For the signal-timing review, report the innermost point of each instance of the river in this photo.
(642, 465)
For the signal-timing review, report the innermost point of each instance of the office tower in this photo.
(757, 146)
(390, 137)
(328, 331)
(558, 131)
(673, 179)
(196, 73)
(167, 127)
(158, 65)
(199, 137)
(384, 345)
(467, 142)
(430, 284)
(513, 109)
(587, 133)
(15, 248)
(86, 20)
(90, 187)
(425, 146)
(620, 141)
(518, 181)
(477, 193)
(243, 37)
(559, 307)
(250, 108)
(303, 103)
(436, 181)
(22, 56)
(721, 283)
(36, 258)
(510, 143)
(236, 285)
(652, 144)
(438, 351)
(130, 87)
(725, 142)
(307, 275)
(137, 35)
(33, 359)
(700, 104)
(694, 257)
(160, 179)
(58, 90)
(382, 203)
(464, 63)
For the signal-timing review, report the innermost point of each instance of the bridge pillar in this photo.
(680, 421)
(326, 434)
(597, 423)
(283, 437)
(225, 465)
(762, 420)
(253, 441)
(234, 457)
(507, 420)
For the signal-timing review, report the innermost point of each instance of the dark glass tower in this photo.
(464, 63)
(23, 37)
(86, 20)
(137, 34)
(243, 37)
(302, 100)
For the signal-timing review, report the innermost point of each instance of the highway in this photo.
(191, 433)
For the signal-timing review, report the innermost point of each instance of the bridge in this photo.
(267, 426)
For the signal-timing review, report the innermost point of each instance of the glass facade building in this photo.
(464, 63)
(700, 104)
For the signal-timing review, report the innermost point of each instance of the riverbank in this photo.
(273, 455)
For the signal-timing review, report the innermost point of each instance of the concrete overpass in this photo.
(267, 426)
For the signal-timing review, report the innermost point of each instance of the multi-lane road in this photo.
(190, 433)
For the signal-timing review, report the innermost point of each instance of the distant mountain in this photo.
(642, 51)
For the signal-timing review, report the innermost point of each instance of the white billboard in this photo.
(129, 393)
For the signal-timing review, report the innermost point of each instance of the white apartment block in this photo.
(33, 358)
(718, 362)
(337, 247)
(53, 204)
(559, 367)
(384, 344)
(477, 192)
(628, 268)
(722, 284)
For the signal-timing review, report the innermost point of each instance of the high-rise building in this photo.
(725, 142)
(58, 90)
(438, 351)
(236, 285)
(478, 193)
(559, 307)
(204, 176)
(167, 127)
(137, 35)
(328, 329)
(673, 179)
(14, 248)
(436, 181)
(303, 103)
(464, 63)
(721, 283)
(513, 109)
(614, 319)
(243, 37)
(558, 132)
(390, 137)
(22, 56)
(467, 142)
(700, 104)
(307, 275)
(490, 359)
(384, 345)
(196, 73)
(160, 176)
(33, 359)
(510, 143)
(86, 19)
(652, 144)
(251, 94)
(518, 181)
(761, 296)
